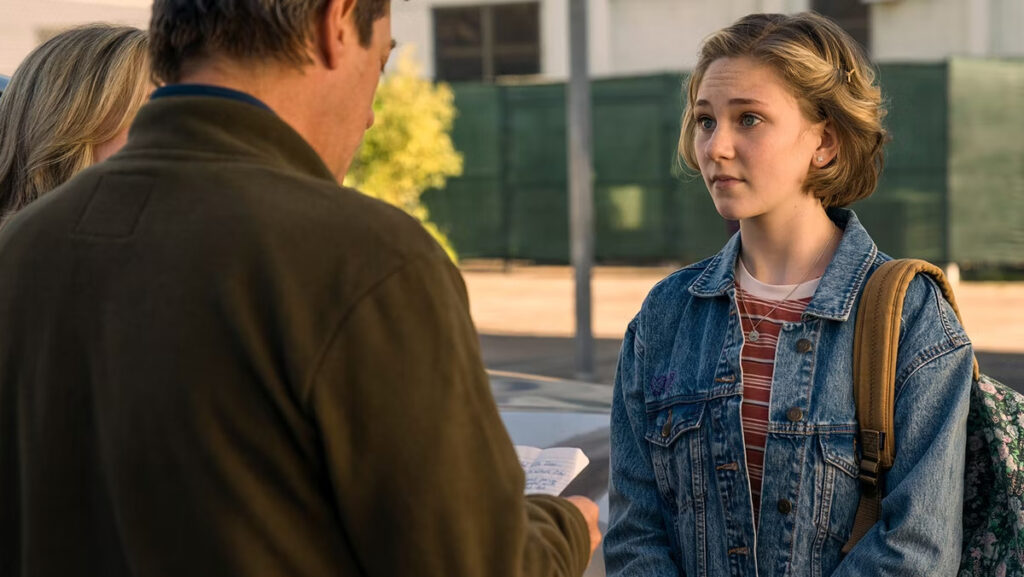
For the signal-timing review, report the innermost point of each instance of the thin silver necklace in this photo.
(753, 335)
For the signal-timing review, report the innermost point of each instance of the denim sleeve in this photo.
(636, 543)
(920, 532)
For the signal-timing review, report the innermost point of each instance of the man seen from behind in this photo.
(216, 361)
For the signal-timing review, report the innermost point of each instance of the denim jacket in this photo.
(680, 497)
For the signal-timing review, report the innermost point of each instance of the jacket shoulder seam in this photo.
(923, 359)
(343, 317)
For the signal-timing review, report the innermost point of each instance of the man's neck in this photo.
(252, 80)
(286, 89)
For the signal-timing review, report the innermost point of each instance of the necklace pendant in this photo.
(752, 336)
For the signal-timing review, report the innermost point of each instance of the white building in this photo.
(629, 37)
(24, 24)
(485, 38)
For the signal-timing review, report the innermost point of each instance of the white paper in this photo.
(549, 471)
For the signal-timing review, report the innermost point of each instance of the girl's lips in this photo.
(725, 181)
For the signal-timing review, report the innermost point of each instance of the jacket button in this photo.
(795, 415)
(804, 346)
(785, 506)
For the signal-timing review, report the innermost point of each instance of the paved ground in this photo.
(525, 318)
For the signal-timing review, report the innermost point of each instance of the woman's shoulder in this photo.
(929, 327)
(676, 285)
(662, 307)
(926, 307)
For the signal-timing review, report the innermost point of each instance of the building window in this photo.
(485, 42)
(852, 15)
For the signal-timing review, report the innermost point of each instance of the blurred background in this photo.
(472, 139)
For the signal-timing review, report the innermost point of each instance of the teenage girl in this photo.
(733, 420)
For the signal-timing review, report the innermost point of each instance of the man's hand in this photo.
(590, 514)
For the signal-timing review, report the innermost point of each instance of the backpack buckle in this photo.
(872, 444)
(869, 472)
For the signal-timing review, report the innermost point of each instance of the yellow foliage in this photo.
(409, 149)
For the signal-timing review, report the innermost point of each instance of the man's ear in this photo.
(335, 31)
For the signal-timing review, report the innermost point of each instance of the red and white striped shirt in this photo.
(756, 301)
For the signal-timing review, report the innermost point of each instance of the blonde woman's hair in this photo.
(832, 80)
(78, 89)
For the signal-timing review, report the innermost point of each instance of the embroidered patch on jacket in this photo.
(661, 383)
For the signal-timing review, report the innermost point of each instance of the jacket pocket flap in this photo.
(665, 426)
(839, 452)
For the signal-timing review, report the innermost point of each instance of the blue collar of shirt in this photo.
(207, 90)
(839, 287)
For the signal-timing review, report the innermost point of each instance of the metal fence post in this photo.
(581, 185)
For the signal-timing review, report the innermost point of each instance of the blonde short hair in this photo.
(833, 81)
(78, 89)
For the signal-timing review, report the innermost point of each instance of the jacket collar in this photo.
(842, 282)
(172, 90)
(203, 125)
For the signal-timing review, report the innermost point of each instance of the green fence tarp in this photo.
(953, 168)
(986, 185)
(906, 215)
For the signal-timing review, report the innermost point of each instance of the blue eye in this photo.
(749, 120)
(706, 123)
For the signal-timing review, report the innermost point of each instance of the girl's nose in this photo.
(719, 145)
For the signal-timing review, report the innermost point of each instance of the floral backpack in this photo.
(993, 508)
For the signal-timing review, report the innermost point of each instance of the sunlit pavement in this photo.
(525, 316)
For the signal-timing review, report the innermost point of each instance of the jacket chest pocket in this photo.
(673, 433)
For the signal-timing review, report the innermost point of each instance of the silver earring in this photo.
(821, 158)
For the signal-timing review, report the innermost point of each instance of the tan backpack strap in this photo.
(869, 511)
(875, 348)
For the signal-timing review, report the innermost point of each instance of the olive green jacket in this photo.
(216, 361)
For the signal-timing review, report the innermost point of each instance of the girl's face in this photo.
(754, 145)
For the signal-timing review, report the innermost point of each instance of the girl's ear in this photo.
(828, 147)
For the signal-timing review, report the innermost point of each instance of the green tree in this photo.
(409, 149)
